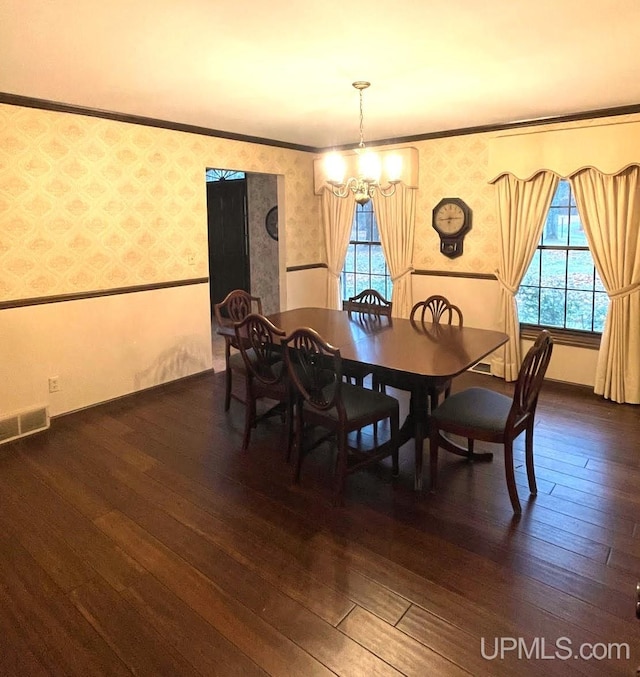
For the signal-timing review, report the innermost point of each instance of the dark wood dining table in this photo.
(417, 353)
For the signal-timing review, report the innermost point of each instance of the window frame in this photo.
(562, 335)
(367, 208)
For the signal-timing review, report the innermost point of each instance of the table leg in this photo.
(416, 426)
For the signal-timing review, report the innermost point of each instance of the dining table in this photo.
(414, 353)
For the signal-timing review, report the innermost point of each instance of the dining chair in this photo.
(368, 308)
(437, 310)
(324, 399)
(266, 377)
(484, 414)
(236, 305)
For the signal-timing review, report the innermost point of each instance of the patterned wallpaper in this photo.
(456, 167)
(89, 204)
(262, 195)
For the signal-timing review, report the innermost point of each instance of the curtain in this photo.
(609, 207)
(522, 210)
(396, 216)
(337, 219)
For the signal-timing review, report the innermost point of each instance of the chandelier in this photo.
(369, 168)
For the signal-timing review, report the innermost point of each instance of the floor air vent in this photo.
(23, 423)
(481, 368)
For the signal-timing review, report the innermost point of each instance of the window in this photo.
(223, 175)
(365, 266)
(562, 288)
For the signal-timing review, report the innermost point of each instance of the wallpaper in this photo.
(89, 204)
(262, 195)
(456, 167)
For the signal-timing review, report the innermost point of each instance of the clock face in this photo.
(449, 218)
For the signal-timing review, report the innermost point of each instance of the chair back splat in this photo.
(315, 369)
(368, 301)
(530, 378)
(324, 399)
(236, 305)
(266, 377)
(438, 309)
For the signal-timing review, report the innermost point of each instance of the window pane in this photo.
(579, 310)
(348, 285)
(362, 282)
(552, 302)
(601, 305)
(561, 196)
(378, 264)
(556, 227)
(528, 300)
(378, 282)
(362, 258)
(580, 271)
(598, 283)
(577, 236)
(375, 234)
(532, 276)
(364, 225)
(554, 268)
(350, 260)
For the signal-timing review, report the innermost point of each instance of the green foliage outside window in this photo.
(562, 288)
(365, 266)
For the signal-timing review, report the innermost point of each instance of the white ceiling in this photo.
(282, 69)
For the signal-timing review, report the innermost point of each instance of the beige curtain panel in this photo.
(609, 207)
(522, 210)
(396, 216)
(337, 219)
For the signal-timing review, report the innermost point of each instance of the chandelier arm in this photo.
(340, 190)
(389, 190)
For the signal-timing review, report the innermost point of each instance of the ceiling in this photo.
(282, 69)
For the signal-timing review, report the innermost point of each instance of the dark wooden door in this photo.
(228, 239)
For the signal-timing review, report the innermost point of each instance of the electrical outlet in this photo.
(54, 384)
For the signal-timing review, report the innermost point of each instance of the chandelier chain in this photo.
(361, 122)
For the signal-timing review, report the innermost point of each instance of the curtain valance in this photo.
(609, 148)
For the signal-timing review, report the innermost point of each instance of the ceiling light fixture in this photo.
(369, 168)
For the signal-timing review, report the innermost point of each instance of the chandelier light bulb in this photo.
(335, 168)
(369, 167)
(393, 167)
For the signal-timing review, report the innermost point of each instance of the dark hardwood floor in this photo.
(137, 538)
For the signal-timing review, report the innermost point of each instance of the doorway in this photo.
(244, 249)
(229, 263)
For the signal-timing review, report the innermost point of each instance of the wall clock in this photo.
(452, 221)
(271, 222)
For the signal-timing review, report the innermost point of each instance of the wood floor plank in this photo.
(31, 498)
(411, 657)
(205, 648)
(139, 646)
(469, 649)
(257, 638)
(57, 637)
(143, 517)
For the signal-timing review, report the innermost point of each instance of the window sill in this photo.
(564, 337)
